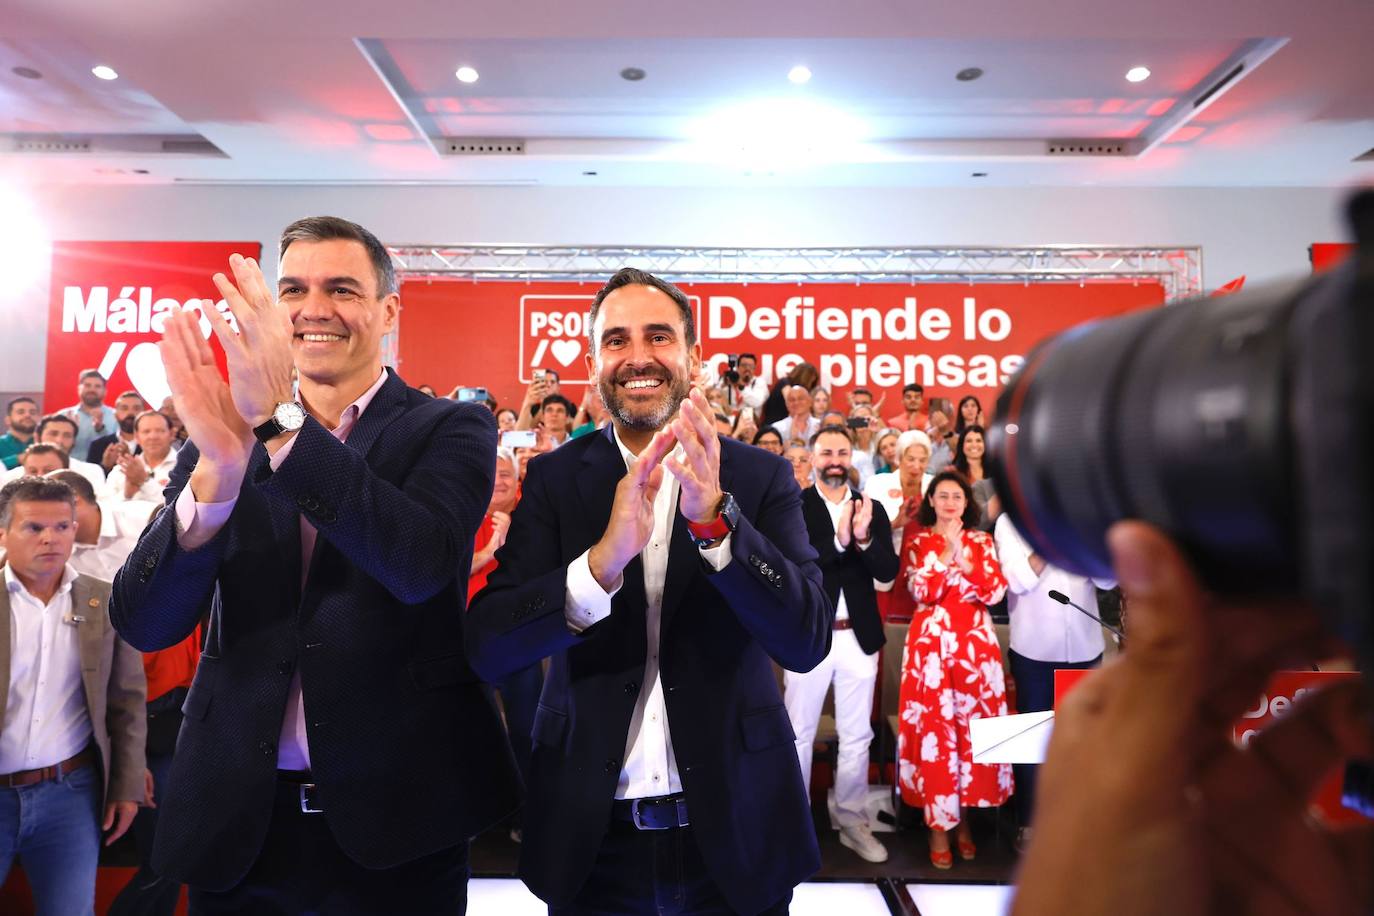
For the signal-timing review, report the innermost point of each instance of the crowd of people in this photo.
(242, 604)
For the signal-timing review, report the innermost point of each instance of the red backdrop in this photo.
(108, 304)
(1329, 254)
(953, 338)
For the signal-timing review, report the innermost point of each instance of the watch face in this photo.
(290, 415)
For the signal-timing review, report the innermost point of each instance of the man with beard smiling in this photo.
(21, 416)
(854, 540)
(662, 598)
(94, 418)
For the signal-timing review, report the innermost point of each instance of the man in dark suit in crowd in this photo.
(853, 538)
(107, 450)
(663, 586)
(337, 752)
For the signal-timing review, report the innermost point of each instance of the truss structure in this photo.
(1178, 269)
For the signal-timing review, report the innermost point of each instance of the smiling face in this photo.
(770, 441)
(330, 290)
(503, 487)
(831, 458)
(39, 538)
(642, 365)
(23, 417)
(92, 390)
(154, 436)
(798, 401)
(800, 458)
(973, 445)
(949, 501)
(913, 467)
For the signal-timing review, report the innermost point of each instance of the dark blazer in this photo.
(732, 740)
(405, 744)
(853, 570)
(96, 452)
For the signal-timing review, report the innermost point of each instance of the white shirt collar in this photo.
(13, 584)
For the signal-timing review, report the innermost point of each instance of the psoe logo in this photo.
(553, 333)
(134, 311)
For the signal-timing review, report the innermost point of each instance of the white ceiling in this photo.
(303, 92)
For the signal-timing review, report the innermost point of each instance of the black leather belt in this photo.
(294, 785)
(663, 812)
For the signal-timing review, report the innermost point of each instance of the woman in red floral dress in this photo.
(951, 666)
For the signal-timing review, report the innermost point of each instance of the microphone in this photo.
(1064, 599)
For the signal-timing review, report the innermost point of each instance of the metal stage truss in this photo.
(1179, 269)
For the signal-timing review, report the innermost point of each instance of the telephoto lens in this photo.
(1239, 425)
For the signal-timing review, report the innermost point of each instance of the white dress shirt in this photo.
(46, 720)
(650, 769)
(151, 490)
(835, 508)
(1041, 628)
(785, 430)
(199, 522)
(92, 472)
(120, 525)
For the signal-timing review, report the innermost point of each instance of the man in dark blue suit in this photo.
(663, 778)
(337, 751)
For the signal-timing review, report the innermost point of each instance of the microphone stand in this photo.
(1064, 599)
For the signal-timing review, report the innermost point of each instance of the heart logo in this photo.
(565, 351)
(145, 370)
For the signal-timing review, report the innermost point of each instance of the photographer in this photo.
(742, 384)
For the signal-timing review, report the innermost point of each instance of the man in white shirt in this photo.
(106, 531)
(663, 770)
(60, 430)
(71, 696)
(799, 425)
(144, 476)
(1045, 635)
(851, 535)
(750, 390)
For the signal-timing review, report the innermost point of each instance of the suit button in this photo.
(631, 687)
(283, 667)
(612, 766)
(151, 562)
(753, 559)
(313, 645)
(266, 747)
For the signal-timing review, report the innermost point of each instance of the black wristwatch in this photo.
(287, 417)
(727, 518)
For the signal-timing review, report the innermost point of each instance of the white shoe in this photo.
(861, 839)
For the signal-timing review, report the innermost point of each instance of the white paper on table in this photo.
(1011, 739)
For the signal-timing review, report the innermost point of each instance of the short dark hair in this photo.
(914, 386)
(558, 399)
(89, 373)
(831, 430)
(9, 408)
(32, 490)
(152, 413)
(741, 356)
(554, 373)
(131, 394)
(79, 484)
(632, 276)
(768, 430)
(925, 516)
(56, 418)
(860, 391)
(43, 448)
(328, 228)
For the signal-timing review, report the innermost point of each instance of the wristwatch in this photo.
(727, 518)
(288, 416)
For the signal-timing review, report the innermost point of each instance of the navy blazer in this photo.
(853, 570)
(405, 743)
(732, 740)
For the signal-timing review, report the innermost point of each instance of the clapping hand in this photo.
(698, 473)
(259, 354)
(863, 518)
(632, 513)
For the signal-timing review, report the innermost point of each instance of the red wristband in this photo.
(711, 531)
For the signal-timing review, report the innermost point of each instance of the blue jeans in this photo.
(53, 828)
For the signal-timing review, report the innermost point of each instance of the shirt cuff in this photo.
(719, 555)
(198, 523)
(839, 548)
(585, 602)
(275, 461)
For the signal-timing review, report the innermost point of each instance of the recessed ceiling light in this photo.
(979, 175)
(1138, 74)
(589, 174)
(466, 75)
(105, 73)
(27, 73)
(799, 74)
(968, 74)
(633, 74)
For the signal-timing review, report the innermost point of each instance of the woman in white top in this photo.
(899, 492)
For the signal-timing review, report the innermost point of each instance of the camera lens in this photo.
(1177, 416)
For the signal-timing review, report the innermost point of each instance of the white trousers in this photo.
(853, 673)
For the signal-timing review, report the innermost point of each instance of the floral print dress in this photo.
(951, 673)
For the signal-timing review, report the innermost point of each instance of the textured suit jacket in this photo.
(112, 679)
(853, 570)
(405, 743)
(731, 736)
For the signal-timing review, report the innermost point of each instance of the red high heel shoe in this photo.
(941, 859)
(967, 849)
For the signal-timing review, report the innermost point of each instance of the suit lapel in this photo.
(684, 559)
(90, 637)
(4, 649)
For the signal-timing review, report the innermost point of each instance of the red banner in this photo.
(954, 339)
(109, 303)
(1328, 254)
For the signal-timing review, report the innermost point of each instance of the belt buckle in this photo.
(307, 796)
(634, 816)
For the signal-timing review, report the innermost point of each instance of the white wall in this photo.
(1263, 233)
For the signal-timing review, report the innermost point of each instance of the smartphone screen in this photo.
(518, 438)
